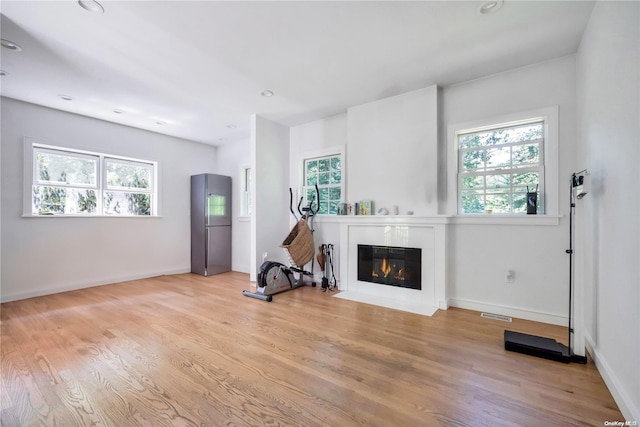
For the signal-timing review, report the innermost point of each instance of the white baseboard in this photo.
(88, 284)
(409, 306)
(520, 313)
(628, 407)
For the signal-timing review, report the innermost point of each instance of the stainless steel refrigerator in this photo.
(210, 224)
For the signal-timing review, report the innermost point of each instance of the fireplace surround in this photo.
(429, 234)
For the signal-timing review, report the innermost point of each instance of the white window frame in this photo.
(539, 167)
(550, 197)
(337, 151)
(246, 176)
(33, 146)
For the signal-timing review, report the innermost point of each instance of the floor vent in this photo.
(496, 317)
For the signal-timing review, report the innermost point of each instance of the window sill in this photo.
(244, 219)
(93, 216)
(497, 219)
(480, 219)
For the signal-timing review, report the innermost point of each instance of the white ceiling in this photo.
(199, 66)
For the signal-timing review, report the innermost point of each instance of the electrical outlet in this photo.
(510, 276)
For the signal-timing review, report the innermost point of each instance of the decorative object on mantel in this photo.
(350, 209)
(532, 201)
(383, 211)
(342, 209)
(409, 212)
(365, 207)
(396, 211)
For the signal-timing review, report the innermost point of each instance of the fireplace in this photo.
(390, 265)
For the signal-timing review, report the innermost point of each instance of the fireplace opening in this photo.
(388, 265)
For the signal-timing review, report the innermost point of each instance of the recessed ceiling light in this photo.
(267, 93)
(118, 111)
(65, 97)
(91, 6)
(160, 122)
(232, 126)
(10, 45)
(490, 7)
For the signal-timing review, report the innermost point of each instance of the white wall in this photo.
(270, 162)
(47, 255)
(481, 254)
(392, 152)
(608, 90)
(306, 140)
(230, 161)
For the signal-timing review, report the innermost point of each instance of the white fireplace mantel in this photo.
(427, 233)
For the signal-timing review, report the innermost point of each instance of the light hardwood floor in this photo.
(186, 350)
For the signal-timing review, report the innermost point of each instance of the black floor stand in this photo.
(548, 348)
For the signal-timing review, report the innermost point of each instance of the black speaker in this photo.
(532, 203)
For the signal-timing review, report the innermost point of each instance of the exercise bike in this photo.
(274, 277)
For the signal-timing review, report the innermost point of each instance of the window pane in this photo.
(311, 172)
(57, 200)
(522, 180)
(528, 132)
(335, 177)
(469, 182)
(323, 178)
(499, 181)
(526, 154)
(311, 195)
(125, 203)
(335, 193)
(49, 200)
(324, 165)
(65, 169)
(333, 206)
(128, 175)
(498, 202)
(246, 206)
(336, 164)
(324, 208)
(469, 141)
(473, 160)
(499, 158)
(324, 194)
(487, 138)
(472, 202)
(520, 202)
(312, 167)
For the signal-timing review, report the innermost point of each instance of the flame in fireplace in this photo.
(385, 269)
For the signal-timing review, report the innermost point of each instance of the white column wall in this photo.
(270, 162)
(608, 225)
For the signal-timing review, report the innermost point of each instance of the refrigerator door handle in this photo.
(206, 249)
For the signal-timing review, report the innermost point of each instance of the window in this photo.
(326, 172)
(69, 182)
(497, 166)
(245, 191)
